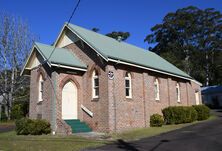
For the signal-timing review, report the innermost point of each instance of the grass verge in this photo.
(152, 131)
(11, 141)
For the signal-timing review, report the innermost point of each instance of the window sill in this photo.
(129, 99)
(39, 102)
(157, 100)
(95, 99)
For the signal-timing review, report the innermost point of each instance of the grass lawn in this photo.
(11, 141)
(152, 131)
(146, 132)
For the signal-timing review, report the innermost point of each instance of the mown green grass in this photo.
(10, 141)
(146, 132)
(152, 131)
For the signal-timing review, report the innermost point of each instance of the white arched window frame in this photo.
(40, 87)
(178, 92)
(157, 89)
(128, 85)
(95, 84)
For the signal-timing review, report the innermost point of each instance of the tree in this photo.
(15, 43)
(191, 37)
(95, 29)
(119, 35)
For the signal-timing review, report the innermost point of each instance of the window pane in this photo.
(41, 89)
(127, 83)
(96, 82)
(127, 91)
(96, 91)
(156, 91)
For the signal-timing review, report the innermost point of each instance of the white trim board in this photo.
(158, 71)
(68, 67)
(87, 110)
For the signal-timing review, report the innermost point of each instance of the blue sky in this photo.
(46, 17)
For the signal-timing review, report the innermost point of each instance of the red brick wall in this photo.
(112, 110)
(42, 108)
(99, 107)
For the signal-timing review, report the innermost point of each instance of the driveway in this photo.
(205, 136)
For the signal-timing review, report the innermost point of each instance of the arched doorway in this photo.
(69, 101)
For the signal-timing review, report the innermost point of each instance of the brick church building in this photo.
(94, 82)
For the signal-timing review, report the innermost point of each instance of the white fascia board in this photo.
(195, 81)
(87, 43)
(60, 34)
(68, 67)
(26, 62)
(33, 48)
(142, 67)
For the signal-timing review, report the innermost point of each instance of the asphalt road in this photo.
(206, 136)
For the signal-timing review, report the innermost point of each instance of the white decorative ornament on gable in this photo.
(110, 75)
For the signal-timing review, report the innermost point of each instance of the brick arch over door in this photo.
(67, 79)
(63, 82)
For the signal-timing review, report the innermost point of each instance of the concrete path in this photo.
(206, 136)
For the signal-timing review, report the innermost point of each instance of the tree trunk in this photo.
(207, 69)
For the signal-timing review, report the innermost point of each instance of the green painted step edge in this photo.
(78, 126)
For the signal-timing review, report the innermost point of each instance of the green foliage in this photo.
(17, 112)
(156, 120)
(23, 126)
(119, 34)
(179, 114)
(27, 126)
(19, 109)
(203, 112)
(3, 115)
(193, 36)
(95, 29)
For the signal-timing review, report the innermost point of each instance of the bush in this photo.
(203, 112)
(17, 112)
(26, 126)
(23, 126)
(179, 114)
(156, 120)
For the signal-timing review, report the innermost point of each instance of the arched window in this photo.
(95, 84)
(157, 89)
(40, 87)
(178, 92)
(128, 85)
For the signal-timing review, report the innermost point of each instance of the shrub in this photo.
(156, 120)
(179, 114)
(23, 126)
(3, 115)
(17, 112)
(203, 112)
(40, 127)
(26, 126)
(19, 109)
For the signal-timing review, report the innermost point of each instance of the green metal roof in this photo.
(113, 49)
(60, 56)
